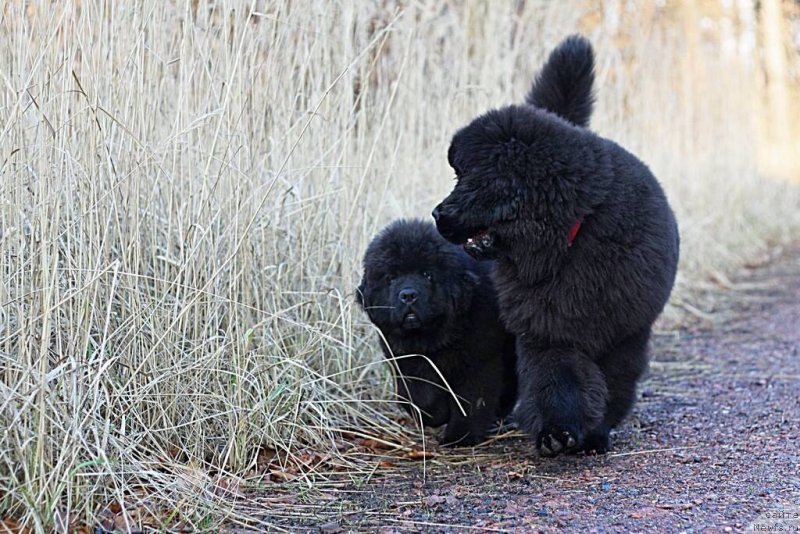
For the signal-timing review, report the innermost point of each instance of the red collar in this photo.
(574, 231)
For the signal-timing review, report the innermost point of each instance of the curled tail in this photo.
(564, 85)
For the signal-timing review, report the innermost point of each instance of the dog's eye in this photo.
(427, 275)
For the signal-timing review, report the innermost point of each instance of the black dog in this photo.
(587, 250)
(430, 298)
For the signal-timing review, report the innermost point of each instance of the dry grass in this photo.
(185, 193)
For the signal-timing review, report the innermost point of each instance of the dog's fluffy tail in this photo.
(564, 85)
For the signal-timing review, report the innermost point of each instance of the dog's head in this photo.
(414, 281)
(513, 181)
(518, 168)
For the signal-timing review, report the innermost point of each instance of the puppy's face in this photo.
(506, 173)
(403, 301)
(488, 195)
(414, 282)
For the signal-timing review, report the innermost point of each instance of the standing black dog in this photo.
(587, 250)
(435, 305)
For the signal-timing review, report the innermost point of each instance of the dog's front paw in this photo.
(552, 441)
(597, 442)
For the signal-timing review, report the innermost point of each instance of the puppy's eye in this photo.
(427, 275)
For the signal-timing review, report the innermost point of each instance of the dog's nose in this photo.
(408, 295)
(436, 211)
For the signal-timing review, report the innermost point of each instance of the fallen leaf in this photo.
(375, 444)
(10, 526)
(419, 454)
(174, 453)
(264, 457)
(278, 475)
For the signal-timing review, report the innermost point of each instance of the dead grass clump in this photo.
(186, 189)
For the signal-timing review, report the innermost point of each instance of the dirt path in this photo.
(713, 443)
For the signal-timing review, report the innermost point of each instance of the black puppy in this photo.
(587, 250)
(431, 299)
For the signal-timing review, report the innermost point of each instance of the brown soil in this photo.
(711, 445)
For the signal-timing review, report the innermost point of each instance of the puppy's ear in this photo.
(461, 294)
(362, 287)
(564, 85)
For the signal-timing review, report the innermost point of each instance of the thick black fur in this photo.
(564, 86)
(582, 310)
(428, 297)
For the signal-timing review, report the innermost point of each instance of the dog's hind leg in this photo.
(562, 396)
(622, 367)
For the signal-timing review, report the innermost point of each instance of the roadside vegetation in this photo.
(186, 190)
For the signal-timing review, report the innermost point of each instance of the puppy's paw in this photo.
(597, 442)
(553, 441)
(462, 432)
(460, 440)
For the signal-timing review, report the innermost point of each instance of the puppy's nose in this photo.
(436, 212)
(408, 295)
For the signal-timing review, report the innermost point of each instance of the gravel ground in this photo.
(712, 444)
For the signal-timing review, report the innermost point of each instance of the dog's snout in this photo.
(446, 220)
(436, 212)
(407, 295)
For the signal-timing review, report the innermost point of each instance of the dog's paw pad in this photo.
(597, 443)
(553, 443)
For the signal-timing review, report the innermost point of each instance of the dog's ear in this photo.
(564, 85)
(462, 288)
(362, 287)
